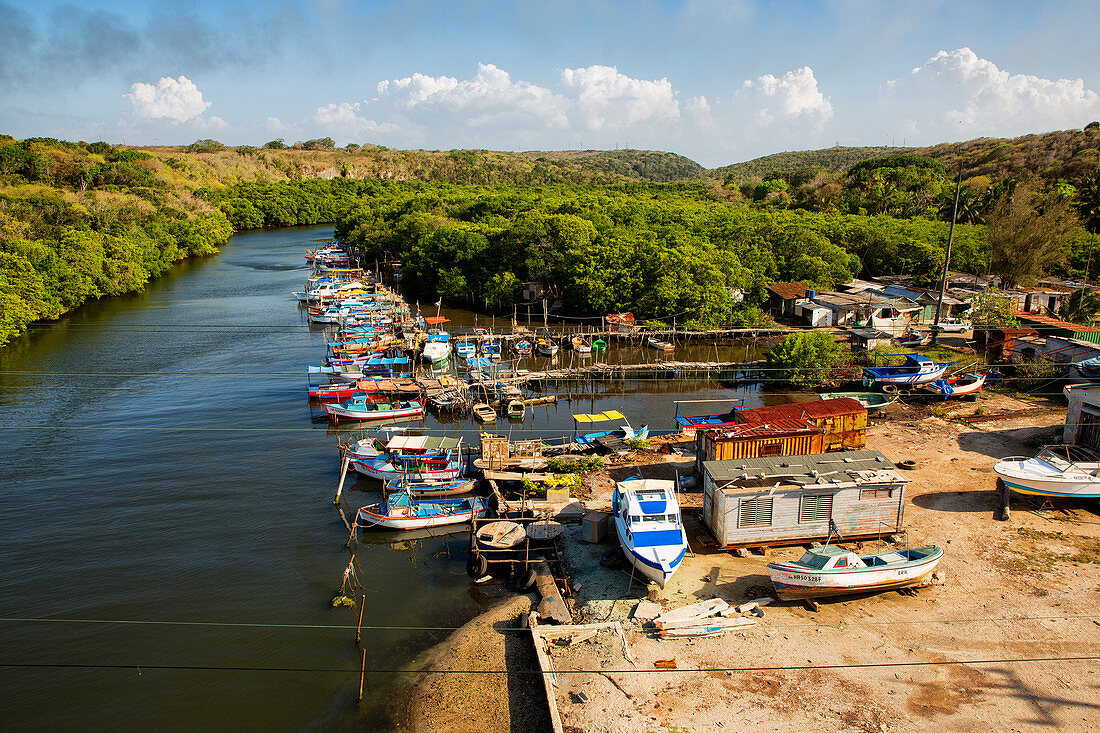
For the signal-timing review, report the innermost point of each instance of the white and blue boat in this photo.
(917, 369)
(401, 511)
(650, 530)
(466, 348)
(833, 571)
(1057, 471)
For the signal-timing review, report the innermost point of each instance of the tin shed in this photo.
(791, 437)
(843, 421)
(758, 502)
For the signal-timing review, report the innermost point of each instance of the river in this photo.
(170, 550)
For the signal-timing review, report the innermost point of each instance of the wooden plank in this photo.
(547, 679)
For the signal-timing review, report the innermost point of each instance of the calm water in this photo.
(165, 496)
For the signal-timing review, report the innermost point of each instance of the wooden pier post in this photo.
(359, 628)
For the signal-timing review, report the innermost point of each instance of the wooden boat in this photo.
(404, 456)
(522, 347)
(599, 346)
(484, 412)
(426, 488)
(834, 571)
(655, 343)
(516, 409)
(360, 407)
(437, 349)
(490, 349)
(649, 527)
(545, 347)
(580, 345)
(873, 401)
(1057, 471)
(340, 390)
(917, 369)
(960, 385)
(624, 432)
(690, 423)
(401, 511)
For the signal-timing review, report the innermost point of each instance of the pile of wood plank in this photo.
(713, 617)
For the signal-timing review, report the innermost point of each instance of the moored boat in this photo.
(522, 347)
(580, 345)
(360, 407)
(516, 409)
(546, 347)
(655, 343)
(1057, 471)
(402, 511)
(834, 571)
(649, 527)
(484, 412)
(427, 488)
(599, 346)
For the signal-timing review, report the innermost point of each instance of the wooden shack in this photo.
(843, 421)
(497, 452)
(761, 502)
(791, 437)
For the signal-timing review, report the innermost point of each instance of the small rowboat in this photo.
(335, 391)
(960, 385)
(655, 343)
(516, 409)
(834, 571)
(401, 511)
(484, 412)
(580, 345)
(873, 401)
(522, 347)
(546, 347)
(916, 370)
(431, 488)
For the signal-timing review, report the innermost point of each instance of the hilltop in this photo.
(836, 160)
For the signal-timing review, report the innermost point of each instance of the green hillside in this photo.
(646, 165)
(835, 160)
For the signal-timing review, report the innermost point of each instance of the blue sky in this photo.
(717, 81)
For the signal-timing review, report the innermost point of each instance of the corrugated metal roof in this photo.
(830, 466)
(789, 291)
(781, 426)
(801, 411)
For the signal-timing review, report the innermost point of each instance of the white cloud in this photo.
(956, 94)
(176, 100)
(490, 96)
(604, 98)
(791, 96)
(345, 117)
(212, 123)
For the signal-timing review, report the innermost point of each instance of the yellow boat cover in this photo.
(600, 417)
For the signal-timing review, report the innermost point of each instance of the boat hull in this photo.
(369, 519)
(386, 471)
(1070, 487)
(346, 414)
(794, 582)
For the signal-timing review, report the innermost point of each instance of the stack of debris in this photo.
(713, 617)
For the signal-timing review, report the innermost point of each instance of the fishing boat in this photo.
(546, 347)
(599, 346)
(402, 511)
(580, 345)
(516, 409)
(649, 527)
(340, 390)
(872, 401)
(361, 407)
(917, 369)
(655, 343)
(484, 412)
(690, 423)
(522, 347)
(466, 348)
(834, 571)
(437, 349)
(427, 488)
(910, 339)
(624, 432)
(1057, 471)
(960, 385)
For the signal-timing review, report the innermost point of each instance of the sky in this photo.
(717, 81)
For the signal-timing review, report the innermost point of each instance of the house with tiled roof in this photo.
(783, 296)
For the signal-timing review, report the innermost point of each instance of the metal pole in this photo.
(947, 259)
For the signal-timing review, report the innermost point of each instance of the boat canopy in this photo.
(435, 320)
(600, 416)
(421, 442)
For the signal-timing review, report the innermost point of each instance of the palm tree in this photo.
(1081, 306)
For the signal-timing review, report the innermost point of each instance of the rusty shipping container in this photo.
(787, 438)
(843, 421)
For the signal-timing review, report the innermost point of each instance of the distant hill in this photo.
(831, 159)
(647, 165)
(1062, 155)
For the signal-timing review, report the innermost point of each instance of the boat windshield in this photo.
(813, 560)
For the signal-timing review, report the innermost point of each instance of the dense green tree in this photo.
(805, 359)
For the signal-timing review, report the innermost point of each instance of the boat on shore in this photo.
(1057, 471)
(690, 423)
(834, 571)
(649, 527)
(917, 369)
(910, 339)
(624, 432)
(960, 385)
(402, 511)
(872, 401)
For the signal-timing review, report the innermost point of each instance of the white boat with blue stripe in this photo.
(917, 369)
(1058, 471)
(649, 526)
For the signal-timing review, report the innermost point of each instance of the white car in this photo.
(951, 325)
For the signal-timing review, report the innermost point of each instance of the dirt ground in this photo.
(1017, 594)
(1019, 590)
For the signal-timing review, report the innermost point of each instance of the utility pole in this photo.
(947, 259)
